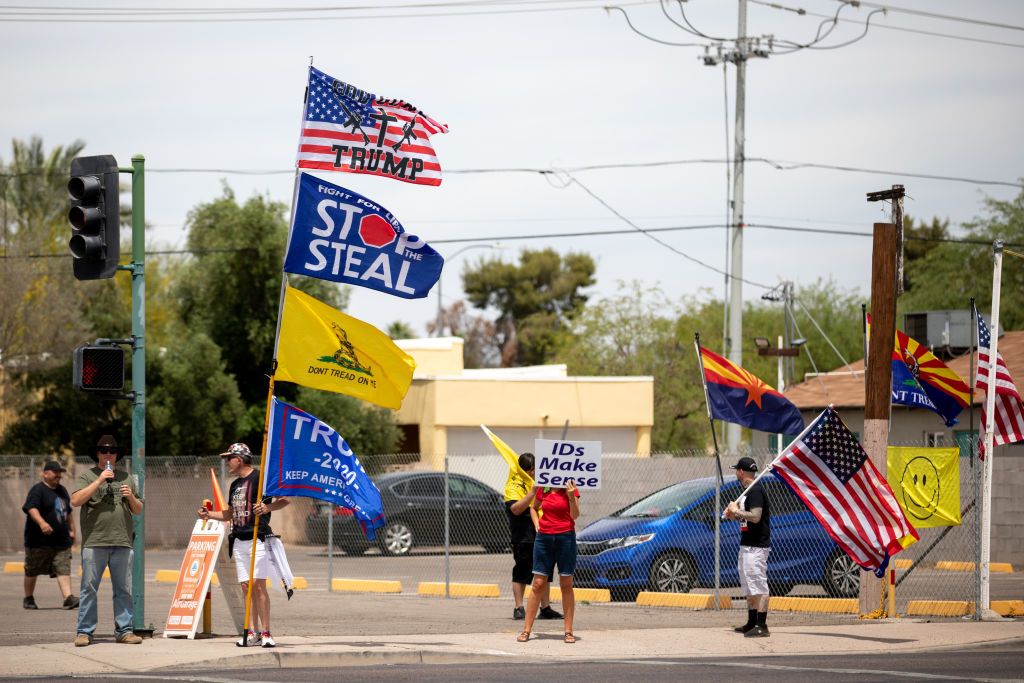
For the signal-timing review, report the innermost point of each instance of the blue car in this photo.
(665, 542)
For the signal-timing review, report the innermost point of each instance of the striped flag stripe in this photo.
(421, 179)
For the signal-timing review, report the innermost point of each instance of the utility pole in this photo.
(885, 269)
(745, 48)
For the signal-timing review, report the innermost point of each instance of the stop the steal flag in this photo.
(342, 236)
(322, 348)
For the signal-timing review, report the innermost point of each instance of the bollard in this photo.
(892, 591)
(208, 614)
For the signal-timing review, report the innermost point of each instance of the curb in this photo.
(582, 594)
(366, 586)
(814, 605)
(939, 608)
(320, 660)
(459, 590)
(698, 601)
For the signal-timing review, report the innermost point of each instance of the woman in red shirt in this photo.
(555, 545)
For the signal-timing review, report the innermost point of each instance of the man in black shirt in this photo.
(753, 513)
(243, 505)
(49, 533)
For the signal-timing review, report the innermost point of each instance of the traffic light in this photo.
(94, 215)
(98, 368)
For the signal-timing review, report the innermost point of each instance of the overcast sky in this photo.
(554, 90)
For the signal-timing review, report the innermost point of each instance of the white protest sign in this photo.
(558, 461)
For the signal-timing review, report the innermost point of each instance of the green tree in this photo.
(479, 349)
(194, 406)
(950, 274)
(536, 300)
(231, 288)
(918, 240)
(400, 329)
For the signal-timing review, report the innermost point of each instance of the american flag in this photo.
(1009, 426)
(830, 472)
(351, 130)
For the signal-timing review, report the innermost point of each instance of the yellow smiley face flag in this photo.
(322, 348)
(926, 482)
(519, 483)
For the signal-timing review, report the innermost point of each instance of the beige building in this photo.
(447, 403)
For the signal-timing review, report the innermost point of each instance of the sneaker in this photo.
(267, 640)
(29, 603)
(83, 639)
(549, 613)
(757, 632)
(251, 640)
(519, 613)
(71, 602)
(744, 628)
(129, 638)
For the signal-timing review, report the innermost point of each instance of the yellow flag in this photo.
(519, 483)
(926, 482)
(322, 348)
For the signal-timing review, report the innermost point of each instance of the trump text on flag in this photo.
(340, 235)
(559, 461)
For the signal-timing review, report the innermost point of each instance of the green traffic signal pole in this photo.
(138, 271)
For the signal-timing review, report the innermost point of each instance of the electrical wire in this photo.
(640, 33)
(152, 18)
(814, 322)
(647, 233)
(933, 15)
(887, 27)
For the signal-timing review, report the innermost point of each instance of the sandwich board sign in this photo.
(194, 578)
(557, 461)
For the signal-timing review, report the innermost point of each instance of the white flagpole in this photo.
(990, 407)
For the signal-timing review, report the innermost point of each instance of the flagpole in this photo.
(270, 391)
(718, 464)
(973, 455)
(990, 412)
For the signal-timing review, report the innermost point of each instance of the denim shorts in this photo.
(554, 549)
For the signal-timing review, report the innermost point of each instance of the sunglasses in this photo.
(106, 449)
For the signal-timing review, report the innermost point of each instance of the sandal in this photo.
(523, 637)
(569, 637)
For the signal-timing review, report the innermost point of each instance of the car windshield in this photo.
(666, 501)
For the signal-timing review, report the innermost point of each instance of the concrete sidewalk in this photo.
(107, 657)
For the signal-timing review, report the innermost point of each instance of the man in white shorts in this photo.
(243, 506)
(752, 512)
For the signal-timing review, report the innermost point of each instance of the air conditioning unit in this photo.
(947, 331)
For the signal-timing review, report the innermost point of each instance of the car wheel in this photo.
(396, 539)
(841, 576)
(673, 572)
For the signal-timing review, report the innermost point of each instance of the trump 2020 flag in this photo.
(735, 395)
(322, 348)
(830, 472)
(308, 458)
(352, 130)
(340, 235)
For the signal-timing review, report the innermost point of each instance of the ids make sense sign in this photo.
(559, 461)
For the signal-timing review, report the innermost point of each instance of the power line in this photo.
(777, 164)
(174, 17)
(887, 27)
(933, 15)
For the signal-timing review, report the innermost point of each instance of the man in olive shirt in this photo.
(108, 500)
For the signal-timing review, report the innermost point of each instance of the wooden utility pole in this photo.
(885, 276)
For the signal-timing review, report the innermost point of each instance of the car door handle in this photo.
(412, 505)
(458, 505)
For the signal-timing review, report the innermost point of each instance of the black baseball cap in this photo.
(746, 465)
(54, 466)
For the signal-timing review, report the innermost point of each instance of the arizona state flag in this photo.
(735, 395)
(322, 348)
(920, 380)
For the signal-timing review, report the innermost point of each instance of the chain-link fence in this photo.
(651, 527)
